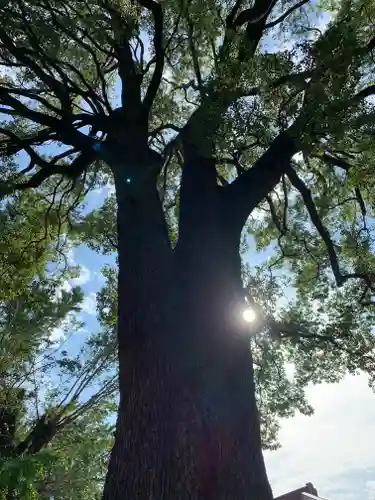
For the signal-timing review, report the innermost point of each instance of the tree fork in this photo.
(188, 425)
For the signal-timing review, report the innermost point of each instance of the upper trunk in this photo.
(187, 425)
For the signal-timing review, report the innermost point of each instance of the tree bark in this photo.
(188, 425)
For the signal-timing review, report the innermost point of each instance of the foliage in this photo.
(72, 466)
(80, 458)
(18, 475)
(51, 402)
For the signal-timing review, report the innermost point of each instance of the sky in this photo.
(90, 279)
(333, 449)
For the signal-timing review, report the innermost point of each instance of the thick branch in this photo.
(371, 45)
(33, 94)
(64, 130)
(367, 92)
(326, 237)
(74, 170)
(255, 18)
(153, 87)
(26, 112)
(294, 331)
(233, 12)
(21, 55)
(194, 55)
(35, 158)
(42, 433)
(230, 28)
(253, 185)
(20, 142)
(286, 14)
(316, 220)
(334, 161)
(259, 11)
(205, 120)
(130, 79)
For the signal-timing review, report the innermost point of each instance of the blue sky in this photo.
(91, 279)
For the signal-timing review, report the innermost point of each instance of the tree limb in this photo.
(65, 131)
(254, 184)
(26, 112)
(79, 41)
(333, 161)
(130, 79)
(194, 56)
(324, 233)
(305, 192)
(37, 139)
(255, 18)
(286, 14)
(208, 114)
(340, 162)
(74, 170)
(21, 55)
(34, 95)
(258, 12)
(367, 92)
(153, 87)
(233, 12)
(34, 157)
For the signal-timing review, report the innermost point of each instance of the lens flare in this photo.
(249, 315)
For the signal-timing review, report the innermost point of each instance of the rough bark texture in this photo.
(187, 425)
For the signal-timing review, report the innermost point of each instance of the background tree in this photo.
(80, 455)
(218, 117)
(43, 390)
(54, 407)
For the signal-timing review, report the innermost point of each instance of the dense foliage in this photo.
(54, 407)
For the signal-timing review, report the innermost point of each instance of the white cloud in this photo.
(106, 190)
(290, 370)
(65, 286)
(370, 490)
(70, 256)
(84, 273)
(332, 449)
(298, 157)
(89, 304)
(98, 276)
(57, 334)
(84, 277)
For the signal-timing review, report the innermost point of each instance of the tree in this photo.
(79, 458)
(211, 115)
(33, 303)
(53, 403)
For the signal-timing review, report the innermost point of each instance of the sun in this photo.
(249, 315)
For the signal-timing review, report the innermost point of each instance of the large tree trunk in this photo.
(187, 425)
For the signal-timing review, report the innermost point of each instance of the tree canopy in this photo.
(278, 93)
